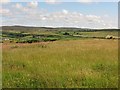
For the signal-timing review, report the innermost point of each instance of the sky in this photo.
(52, 13)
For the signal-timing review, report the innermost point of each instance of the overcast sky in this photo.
(80, 13)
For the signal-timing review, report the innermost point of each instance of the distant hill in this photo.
(24, 28)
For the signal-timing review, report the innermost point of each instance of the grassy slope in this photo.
(74, 63)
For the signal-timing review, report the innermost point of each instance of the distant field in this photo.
(82, 63)
(15, 34)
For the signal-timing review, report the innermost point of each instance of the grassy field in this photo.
(31, 35)
(80, 63)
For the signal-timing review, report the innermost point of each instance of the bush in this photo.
(32, 40)
(28, 41)
(66, 33)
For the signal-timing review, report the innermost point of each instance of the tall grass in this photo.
(61, 64)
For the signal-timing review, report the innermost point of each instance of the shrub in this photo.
(66, 33)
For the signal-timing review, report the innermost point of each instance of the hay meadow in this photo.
(83, 63)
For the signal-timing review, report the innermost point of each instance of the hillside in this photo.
(24, 28)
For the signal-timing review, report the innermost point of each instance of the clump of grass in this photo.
(99, 67)
(14, 46)
(42, 45)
